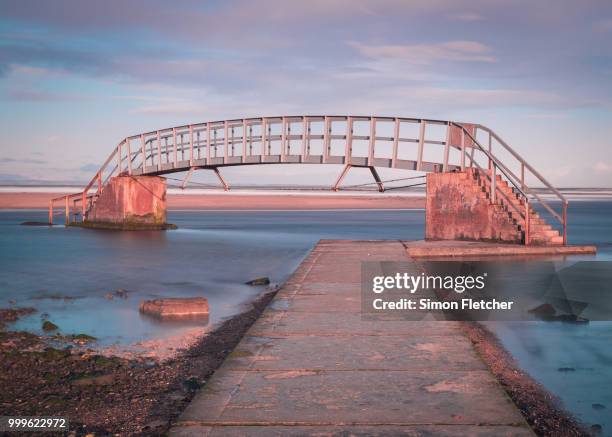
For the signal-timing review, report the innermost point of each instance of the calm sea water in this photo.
(213, 253)
(543, 348)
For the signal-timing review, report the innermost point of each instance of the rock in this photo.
(547, 312)
(49, 326)
(259, 281)
(123, 294)
(175, 307)
(12, 314)
(83, 338)
(192, 383)
(545, 309)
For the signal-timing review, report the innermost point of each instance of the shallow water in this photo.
(582, 352)
(213, 253)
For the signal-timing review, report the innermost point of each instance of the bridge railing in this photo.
(396, 142)
(305, 139)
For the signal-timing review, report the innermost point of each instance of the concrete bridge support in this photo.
(457, 208)
(130, 202)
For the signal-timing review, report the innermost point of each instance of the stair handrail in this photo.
(523, 162)
(519, 183)
(531, 192)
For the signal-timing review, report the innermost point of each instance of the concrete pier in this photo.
(311, 366)
(130, 202)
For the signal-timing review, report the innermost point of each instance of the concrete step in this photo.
(546, 234)
(554, 241)
(510, 202)
(536, 223)
(540, 227)
(557, 240)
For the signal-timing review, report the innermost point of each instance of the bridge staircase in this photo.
(509, 203)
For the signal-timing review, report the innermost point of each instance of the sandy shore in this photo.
(239, 201)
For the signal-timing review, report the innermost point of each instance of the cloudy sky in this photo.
(77, 76)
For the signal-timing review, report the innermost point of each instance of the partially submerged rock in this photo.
(548, 313)
(175, 307)
(83, 338)
(120, 292)
(10, 315)
(259, 281)
(49, 326)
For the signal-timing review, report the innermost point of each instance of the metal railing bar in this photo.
(523, 161)
(486, 152)
(514, 179)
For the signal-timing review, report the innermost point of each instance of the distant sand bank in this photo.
(246, 201)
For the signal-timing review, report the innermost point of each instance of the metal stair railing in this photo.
(528, 194)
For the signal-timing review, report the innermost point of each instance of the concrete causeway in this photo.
(311, 366)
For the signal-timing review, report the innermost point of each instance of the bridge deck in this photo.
(310, 365)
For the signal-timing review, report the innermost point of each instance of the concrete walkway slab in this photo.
(463, 249)
(312, 366)
(357, 352)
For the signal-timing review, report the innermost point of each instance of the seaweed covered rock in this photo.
(49, 326)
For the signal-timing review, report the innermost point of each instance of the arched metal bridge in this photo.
(416, 144)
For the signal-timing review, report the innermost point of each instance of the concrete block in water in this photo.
(130, 203)
(175, 307)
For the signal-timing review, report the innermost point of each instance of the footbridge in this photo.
(468, 166)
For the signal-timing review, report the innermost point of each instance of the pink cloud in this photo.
(463, 51)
